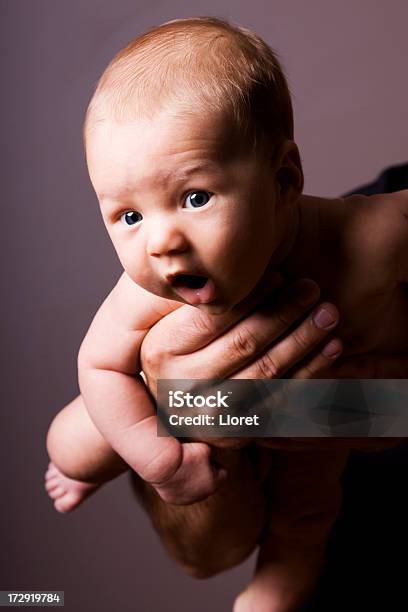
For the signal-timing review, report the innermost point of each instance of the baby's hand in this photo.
(120, 406)
(194, 479)
(125, 415)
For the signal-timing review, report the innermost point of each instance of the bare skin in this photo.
(186, 531)
(170, 236)
(299, 530)
(67, 492)
(103, 464)
(208, 537)
(361, 271)
(273, 581)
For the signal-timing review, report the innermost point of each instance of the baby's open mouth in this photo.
(191, 281)
(193, 288)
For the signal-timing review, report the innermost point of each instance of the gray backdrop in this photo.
(346, 63)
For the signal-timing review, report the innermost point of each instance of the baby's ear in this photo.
(289, 172)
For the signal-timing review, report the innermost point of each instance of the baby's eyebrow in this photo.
(184, 173)
(163, 177)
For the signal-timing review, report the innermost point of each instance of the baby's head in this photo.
(189, 143)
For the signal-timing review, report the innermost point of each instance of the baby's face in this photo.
(191, 219)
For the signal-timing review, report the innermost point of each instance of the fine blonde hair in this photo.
(199, 65)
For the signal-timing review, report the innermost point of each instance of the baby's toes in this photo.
(52, 469)
(51, 483)
(57, 492)
(67, 492)
(66, 503)
(69, 501)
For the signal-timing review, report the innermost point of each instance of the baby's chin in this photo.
(222, 305)
(216, 308)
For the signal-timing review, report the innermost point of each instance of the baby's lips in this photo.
(203, 295)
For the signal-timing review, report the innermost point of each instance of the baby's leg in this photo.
(81, 458)
(213, 535)
(304, 502)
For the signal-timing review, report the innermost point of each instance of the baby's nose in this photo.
(164, 239)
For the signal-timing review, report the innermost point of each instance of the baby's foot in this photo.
(67, 493)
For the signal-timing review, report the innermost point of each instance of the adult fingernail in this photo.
(222, 474)
(333, 349)
(323, 318)
(309, 294)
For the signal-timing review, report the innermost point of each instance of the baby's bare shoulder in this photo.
(135, 308)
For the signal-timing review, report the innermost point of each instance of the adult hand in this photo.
(248, 342)
(270, 340)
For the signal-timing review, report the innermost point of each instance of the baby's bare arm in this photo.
(120, 406)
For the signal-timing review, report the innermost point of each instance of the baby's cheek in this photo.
(133, 270)
(130, 256)
(146, 279)
(139, 276)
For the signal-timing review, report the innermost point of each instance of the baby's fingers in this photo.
(180, 473)
(195, 479)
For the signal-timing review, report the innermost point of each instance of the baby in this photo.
(190, 150)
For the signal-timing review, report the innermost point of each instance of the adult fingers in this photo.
(178, 356)
(319, 364)
(188, 329)
(242, 343)
(293, 347)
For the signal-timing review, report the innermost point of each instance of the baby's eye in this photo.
(131, 217)
(196, 199)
